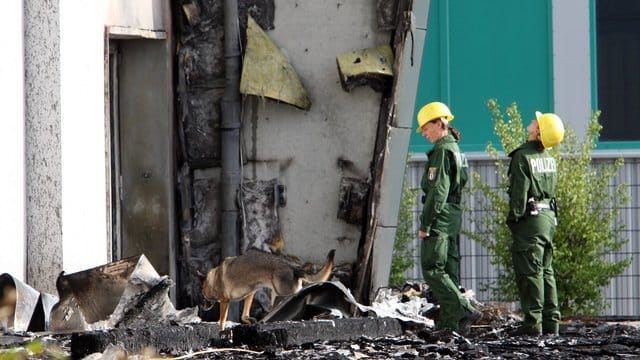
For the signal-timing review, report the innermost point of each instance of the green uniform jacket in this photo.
(532, 174)
(444, 177)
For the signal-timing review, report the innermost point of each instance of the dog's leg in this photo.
(224, 311)
(273, 296)
(247, 308)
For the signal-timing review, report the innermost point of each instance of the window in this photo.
(618, 43)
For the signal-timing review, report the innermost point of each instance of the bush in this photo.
(402, 258)
(588, 220)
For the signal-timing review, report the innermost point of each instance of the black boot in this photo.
(470, 318)
(525, 331)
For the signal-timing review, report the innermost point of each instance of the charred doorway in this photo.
(141, 151)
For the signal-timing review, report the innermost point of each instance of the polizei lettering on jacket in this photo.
(543, 165)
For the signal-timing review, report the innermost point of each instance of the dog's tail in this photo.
(308, 276)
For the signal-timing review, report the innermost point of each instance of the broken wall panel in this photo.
(202, 60)
(126, 293)
(388, 12)
(261, 229)
(372, 66)
(266, 72)
(353, 195)
(199, 27)
(206, 211)
(22, 308)
(200, 247)
(201, 72)
(202, 128)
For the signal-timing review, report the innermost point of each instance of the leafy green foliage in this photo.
(34, 349)
(588, 226)
(402, 258)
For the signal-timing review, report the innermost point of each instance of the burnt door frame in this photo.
(141, 150)
(115, 176)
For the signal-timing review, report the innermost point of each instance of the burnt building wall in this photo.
(304, 156)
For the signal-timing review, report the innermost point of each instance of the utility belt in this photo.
(454, 199)
(534, 207)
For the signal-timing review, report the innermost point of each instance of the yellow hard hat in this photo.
(432, 111)
(551, 129)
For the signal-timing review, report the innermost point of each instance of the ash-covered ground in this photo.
(592, 339)
(410, 335)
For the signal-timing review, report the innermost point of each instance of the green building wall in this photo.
(478, 50)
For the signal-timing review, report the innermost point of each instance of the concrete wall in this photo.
(303, 149)
(43, 171)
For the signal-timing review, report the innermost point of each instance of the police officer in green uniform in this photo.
(532, 220)
(440, 221)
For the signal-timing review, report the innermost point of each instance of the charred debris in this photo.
(123, 310)
(312, 324)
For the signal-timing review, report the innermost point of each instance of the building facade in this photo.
(112, 134)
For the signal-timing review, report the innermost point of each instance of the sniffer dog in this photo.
(239, 277)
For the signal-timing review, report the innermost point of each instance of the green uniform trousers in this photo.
(452, 267)
(532, 254)
(436, 264)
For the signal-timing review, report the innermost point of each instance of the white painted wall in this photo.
(12, 207)
(138, 14)
(572, 62)
(84, 126)
(83, 135)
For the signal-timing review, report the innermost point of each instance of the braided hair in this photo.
(456, 134)
(444, 124)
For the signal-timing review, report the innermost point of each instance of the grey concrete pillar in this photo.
(42, 143)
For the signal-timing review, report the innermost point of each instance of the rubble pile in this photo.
(316, 323)
(578, 339)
